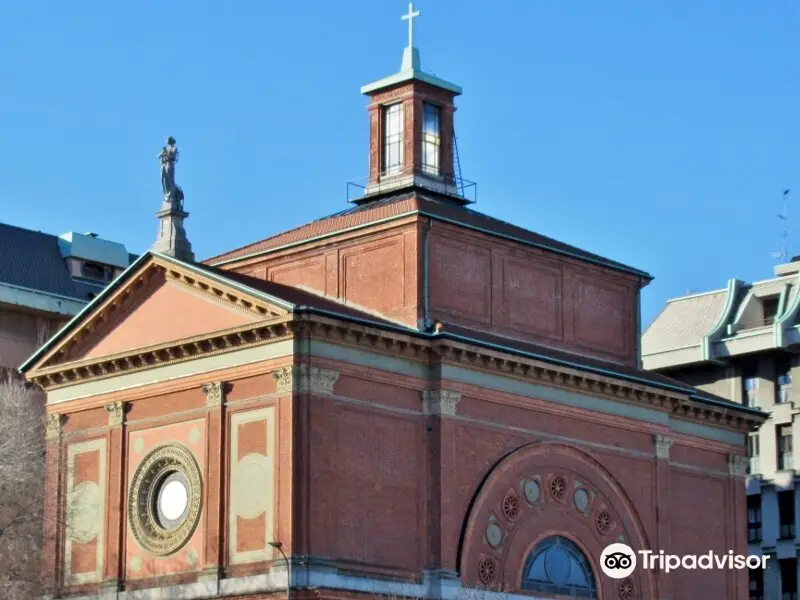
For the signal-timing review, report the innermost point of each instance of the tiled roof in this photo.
(411, 202)
(31, 259)
(684, 322)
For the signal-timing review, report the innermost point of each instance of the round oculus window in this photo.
(172, 500)
(164, 499)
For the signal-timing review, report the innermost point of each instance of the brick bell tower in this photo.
(411, 128)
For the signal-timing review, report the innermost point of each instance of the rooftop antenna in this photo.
(783, 254)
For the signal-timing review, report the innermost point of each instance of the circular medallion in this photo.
(84, 522)
(532, 491)
(252, 482)
(604, 522)
(557, 487)
(487, 571)
(511, 507)
(626, 591)
(494, 535)
(164, 499)
(581, 498)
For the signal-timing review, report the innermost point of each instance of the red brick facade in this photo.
(408, 396)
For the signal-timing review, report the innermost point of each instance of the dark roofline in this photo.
(367, 320)
(567, 251)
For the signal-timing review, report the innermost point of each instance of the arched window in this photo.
(557, 566)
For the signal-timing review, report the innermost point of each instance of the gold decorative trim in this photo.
(144, 523)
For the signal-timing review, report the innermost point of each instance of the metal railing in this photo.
(387, 181)
(756, 323)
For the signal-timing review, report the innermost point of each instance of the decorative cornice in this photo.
(663, 444)
(215, 394)
(116, 413)
(211, 344)
(737, 465)
(440, 402)
(304, 378)
(105, 315)
(399, 345)
(55, 421)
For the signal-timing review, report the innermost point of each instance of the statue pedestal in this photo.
(171, 239)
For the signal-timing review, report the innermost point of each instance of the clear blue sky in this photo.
(659, 133)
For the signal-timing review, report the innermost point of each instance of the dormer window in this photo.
(393, 139)
(431, 139)
(96, 271)
(770, 307)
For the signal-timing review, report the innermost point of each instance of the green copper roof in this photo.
(410, 70)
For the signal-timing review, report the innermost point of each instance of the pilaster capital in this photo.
(304, 378)
(737, 465)
(55, 423)
(663, 445)
(440, 402)
(215, 394)
(116, 413)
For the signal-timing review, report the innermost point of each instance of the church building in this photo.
(406, 398)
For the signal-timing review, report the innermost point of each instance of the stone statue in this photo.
(173, 195)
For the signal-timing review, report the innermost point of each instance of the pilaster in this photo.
(438, 405)
(116, 497)
(663, 444)
(736, 529)
(53, 510)
(215, 394)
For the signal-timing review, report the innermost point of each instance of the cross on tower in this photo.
(410, 18)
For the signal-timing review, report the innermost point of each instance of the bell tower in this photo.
(411, 128)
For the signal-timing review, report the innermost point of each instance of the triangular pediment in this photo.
(154, 305)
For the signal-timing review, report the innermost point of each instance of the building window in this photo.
(753, 452)
(770, 308)
(786, 514)
(754, 518)
(784, 434)
(96, 271)
(756, 584)
(557, 566)
(783, 380)
(788, 578)
(431, 139)
(393, 139)
(750, 385)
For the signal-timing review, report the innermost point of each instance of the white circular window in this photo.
(173, 499)
(164, 499)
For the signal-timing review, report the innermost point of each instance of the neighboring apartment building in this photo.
(741, 343)
(45, 280)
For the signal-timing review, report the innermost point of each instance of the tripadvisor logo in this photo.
(619, 561)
